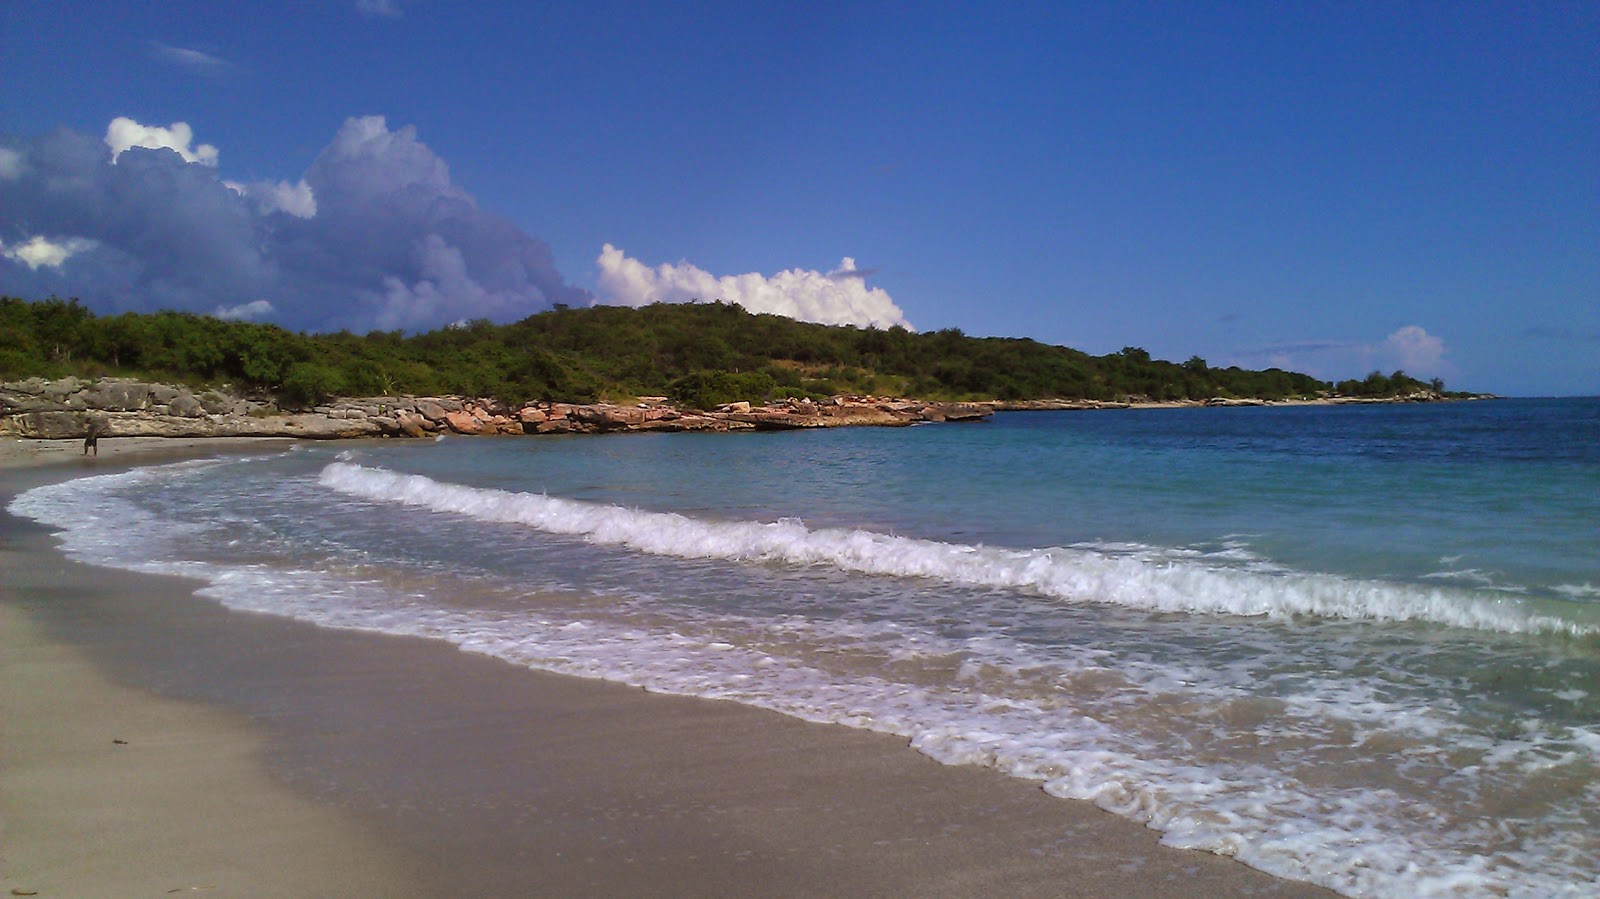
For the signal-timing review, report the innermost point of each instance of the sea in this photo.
(1352, 645)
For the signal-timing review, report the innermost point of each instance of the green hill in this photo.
(696, 354)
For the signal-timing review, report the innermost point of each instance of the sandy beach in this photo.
(155, 742)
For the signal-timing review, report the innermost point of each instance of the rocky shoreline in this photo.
(64, 409)
(37, 408)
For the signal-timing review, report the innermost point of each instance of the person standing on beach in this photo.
(91, 438)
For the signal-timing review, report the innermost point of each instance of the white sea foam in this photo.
(1063, 573)
(1584, 591)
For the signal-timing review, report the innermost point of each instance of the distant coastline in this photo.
(116, 407)
(696, 358)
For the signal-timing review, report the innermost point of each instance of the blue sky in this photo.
(1328, 187)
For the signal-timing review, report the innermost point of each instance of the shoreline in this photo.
(443, 771)
(73, 408)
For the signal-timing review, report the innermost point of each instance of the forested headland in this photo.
(696, 354)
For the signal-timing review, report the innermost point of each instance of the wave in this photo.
(1070, 574)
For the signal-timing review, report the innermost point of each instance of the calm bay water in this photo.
(1356, 646)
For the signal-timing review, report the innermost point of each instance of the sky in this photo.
(1326, 187)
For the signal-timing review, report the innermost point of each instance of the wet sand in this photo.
(264, 756)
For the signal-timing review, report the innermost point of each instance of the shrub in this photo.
(309, 382)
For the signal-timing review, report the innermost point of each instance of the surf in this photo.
(1066, 574)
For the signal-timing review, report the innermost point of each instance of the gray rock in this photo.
(58, 391)
(432, 411)
(185, 406)
(48, 425)
(30, 386)
(215, 403)
(17, 401)
(965, 411)
(118, 396)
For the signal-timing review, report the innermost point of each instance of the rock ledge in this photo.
(44, 409)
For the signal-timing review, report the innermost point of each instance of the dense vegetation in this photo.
(697, 354)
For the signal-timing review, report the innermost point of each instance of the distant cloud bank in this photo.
(374, 234)
(1409, 348)
(839, 297)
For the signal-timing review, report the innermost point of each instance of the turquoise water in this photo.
(1353, 645)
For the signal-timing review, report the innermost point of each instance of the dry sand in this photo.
(268, 757)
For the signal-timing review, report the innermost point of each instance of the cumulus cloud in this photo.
(297, 199)
(249, 312)
(1409, 348)
(373, 234)
(839, 297)
(1414, 349)
(124, 134)
(41, 252)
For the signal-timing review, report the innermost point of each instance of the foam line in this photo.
(1075, 575)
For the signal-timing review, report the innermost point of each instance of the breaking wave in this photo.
(1070, 574)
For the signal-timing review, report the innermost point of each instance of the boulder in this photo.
(619, 418)
(410, 424)
(589, 415)
(432, 411)
(463, 423)
(118, 396)
(214, 403)
(14, 401)
(185, 406)
(59, 391)
(48, 425)
(162, 394)
(965, 411)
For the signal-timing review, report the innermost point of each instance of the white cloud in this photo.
(193, 60)
(296, 199)
(244, 312)
(124, 133)
(1409, 348)
(40, 252)
(1414, 349)
(12, 164)
(839, 297)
